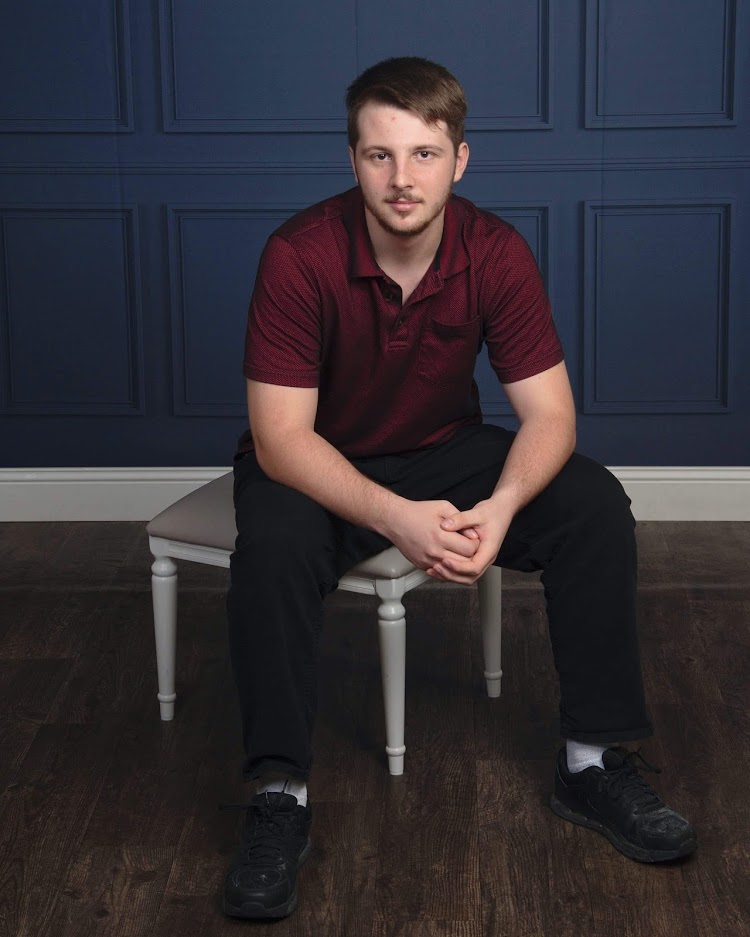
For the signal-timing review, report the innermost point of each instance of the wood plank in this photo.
(673, 651)
(44, 814)
(337, 883)
(522, 724)
(110, 825)
(209, 835)
(16, 736)
(428, 864)
(439, 683)
(29, 552)
(118, 877)
(706, 757)
(427, 929)
(28, 687)
(92, 553)
(708, 555)
(532, 868)
(725, 656)
(46, 624)
(118, 666)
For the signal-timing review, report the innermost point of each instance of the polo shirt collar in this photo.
(451, 257)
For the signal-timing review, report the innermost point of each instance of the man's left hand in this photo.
(491, 523)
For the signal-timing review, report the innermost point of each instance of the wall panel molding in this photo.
(121, 121)
(600, 114)
(173, 122)
(539, 118)
(718, 163)
(185, 400)
(596, 347)
(508, 91)
(132, 365)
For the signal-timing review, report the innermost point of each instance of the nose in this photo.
(401, 175)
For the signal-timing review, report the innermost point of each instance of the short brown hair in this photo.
(413, 84)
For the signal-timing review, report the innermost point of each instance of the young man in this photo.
(368, 312)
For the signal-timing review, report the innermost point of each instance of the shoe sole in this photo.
(252, 911)
(627, 849)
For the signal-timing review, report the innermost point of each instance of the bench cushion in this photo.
(206, 517)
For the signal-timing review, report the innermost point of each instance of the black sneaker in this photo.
(619, 803)
(262, 880)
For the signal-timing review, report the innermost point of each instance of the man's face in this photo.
(405, 168)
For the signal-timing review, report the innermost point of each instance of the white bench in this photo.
(200, 527)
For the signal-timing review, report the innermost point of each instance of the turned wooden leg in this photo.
(490, 601)
(392, 630)
(164, 595)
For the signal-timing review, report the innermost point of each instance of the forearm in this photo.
(306, 462)
(542, 446)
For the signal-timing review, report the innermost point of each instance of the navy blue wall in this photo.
(147, 151)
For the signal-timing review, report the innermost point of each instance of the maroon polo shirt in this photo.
(392, 377)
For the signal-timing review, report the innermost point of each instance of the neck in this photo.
(404, 252)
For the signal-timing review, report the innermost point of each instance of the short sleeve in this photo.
(283, 338)
(520, 334)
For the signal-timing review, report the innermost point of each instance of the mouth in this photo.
(402, 204)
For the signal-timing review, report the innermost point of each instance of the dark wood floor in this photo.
(108, 817)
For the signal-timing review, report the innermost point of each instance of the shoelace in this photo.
(269, 826)
(626, 780)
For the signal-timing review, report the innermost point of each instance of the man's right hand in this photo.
(415, 529)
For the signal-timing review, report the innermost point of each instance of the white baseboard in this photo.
(659, 493)
(96, 494)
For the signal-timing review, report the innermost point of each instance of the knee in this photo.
(279, 533)
(596, 496)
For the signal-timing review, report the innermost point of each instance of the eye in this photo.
(425, 154)
(380, 157)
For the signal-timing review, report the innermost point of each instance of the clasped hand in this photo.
(450, 545)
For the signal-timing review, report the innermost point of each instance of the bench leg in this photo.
(490, 600)
(164, 595)
(392, 631)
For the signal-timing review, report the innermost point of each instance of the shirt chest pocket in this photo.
(448, 351)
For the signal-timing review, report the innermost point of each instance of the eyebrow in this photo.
(415, 149)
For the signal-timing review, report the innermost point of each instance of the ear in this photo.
(462, 158)
(354, 165)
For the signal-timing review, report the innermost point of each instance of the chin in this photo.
(415, 227)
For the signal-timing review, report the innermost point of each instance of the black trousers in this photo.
(290, 553)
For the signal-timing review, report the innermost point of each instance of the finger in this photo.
(458, 521)
(448, 575)
(455, 568)
(461, 520)
(470, 567)
(471, 533)
(460, 545)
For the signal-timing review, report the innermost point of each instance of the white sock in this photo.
(292, 786)
(580, 755)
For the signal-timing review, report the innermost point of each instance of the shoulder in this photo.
(320, 221)
(494, 245)
(314, 237)
(482, 227)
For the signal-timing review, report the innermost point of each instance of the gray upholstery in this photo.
(206, 517)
